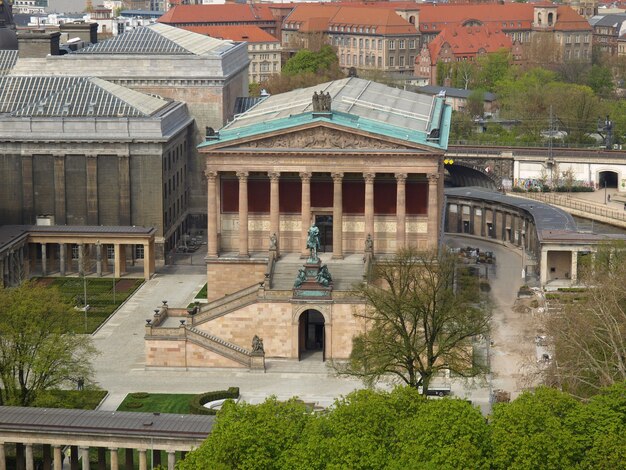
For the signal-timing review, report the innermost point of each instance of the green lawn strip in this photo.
(102, 299)
(74, 399)
(157, 403)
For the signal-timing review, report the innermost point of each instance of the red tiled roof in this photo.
(238, 33)
(386, 21)
(467, 41)
(230, 12)
(508, 16)
(319, 17)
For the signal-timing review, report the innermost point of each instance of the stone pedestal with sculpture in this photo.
(314, 281)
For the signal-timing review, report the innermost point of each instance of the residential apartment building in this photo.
(264, 50)
(607, 29)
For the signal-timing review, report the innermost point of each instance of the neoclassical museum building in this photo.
(359, 160)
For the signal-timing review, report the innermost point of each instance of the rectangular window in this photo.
(380, 44)
(392, 44)
(411, 43)
(138, 251)
(360, 43)
(380, 62)
(401, 44)
(391, 61)
(353, 42)
(348, 59)
(401, 61)
(367, 44)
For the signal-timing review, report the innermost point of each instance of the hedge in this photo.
(196, 406)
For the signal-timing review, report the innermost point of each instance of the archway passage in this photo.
(459, 175)
(311, 338)
(607, 179)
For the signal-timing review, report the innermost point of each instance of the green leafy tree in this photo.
(418, 321)
(600, 79)
(536, 431)
(493, 68)
(38, 347)
(251, 437)
(476, 103)
(312, 62)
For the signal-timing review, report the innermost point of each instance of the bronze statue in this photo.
(323, 276)
(321, 102)
(300, 278)
(313, 243)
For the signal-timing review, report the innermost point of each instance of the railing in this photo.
(231, 302)
(219, 346)
(576, 204)
(269, 272)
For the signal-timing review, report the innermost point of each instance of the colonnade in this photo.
(53, 457)
(306, 213)
(51, 252)
(12, 269)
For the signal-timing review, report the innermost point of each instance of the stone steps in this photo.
(311, 363)
(345, 273)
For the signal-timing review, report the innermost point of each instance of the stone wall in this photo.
(226, 277)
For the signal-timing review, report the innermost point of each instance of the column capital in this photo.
(306, 176)
(401, 177)
(273, 175)
(210, 174)
(337, 176)
(369, 177)
(242, 175)
(433, 177)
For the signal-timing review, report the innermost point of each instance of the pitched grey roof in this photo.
(158, 39)
(52, 96)
(356, 96)
(116, 423)
(452, 92)
(612, 19)
(7, 60)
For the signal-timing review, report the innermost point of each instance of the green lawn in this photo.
(104, 295)
(157, 402)
(74, 399)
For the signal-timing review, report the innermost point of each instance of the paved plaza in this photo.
(120, 368)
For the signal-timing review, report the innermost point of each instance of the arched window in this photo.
(550, 16)
(539, 19)
(412, 19)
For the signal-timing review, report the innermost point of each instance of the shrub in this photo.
(140, 395)
(133, 404)
(196, 405)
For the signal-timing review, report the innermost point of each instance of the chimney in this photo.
(33, 44)
(87, 32)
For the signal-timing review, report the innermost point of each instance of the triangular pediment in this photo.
(321, 137)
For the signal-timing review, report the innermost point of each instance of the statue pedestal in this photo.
(311, 289)
(257, 361)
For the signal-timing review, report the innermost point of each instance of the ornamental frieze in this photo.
(320, 138)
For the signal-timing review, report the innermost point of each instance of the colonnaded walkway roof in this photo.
(551, 222)
(106, 423)
(357, 103)
(159, 39)
(53, 96)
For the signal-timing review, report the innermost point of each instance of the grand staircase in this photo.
(346, 272)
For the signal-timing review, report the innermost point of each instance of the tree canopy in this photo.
(312, 62)
(401, 429)
(420, 317)
(38, 347)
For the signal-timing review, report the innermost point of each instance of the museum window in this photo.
(138, 251)
(411, 43)
(391, 61)
(354, 42)
(401, 44)
(74, 251)
(360, 43)
(367, 44)
(392, 44)
(401, 64)
(380, 44)
(110, 251)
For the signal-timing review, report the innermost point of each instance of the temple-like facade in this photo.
(362, 162)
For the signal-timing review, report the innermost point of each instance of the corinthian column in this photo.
(243, 214)
(275, 205)
(400, 210)
(306, 211)
(337, 215)
(212, 248)
(369, 204)
(433, 210)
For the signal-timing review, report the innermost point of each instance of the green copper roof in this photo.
(355, 103)
(345, 120)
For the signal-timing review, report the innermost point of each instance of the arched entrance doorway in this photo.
(311, 337)
(607, 179)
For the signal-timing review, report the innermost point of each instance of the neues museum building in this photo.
(306, 191)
